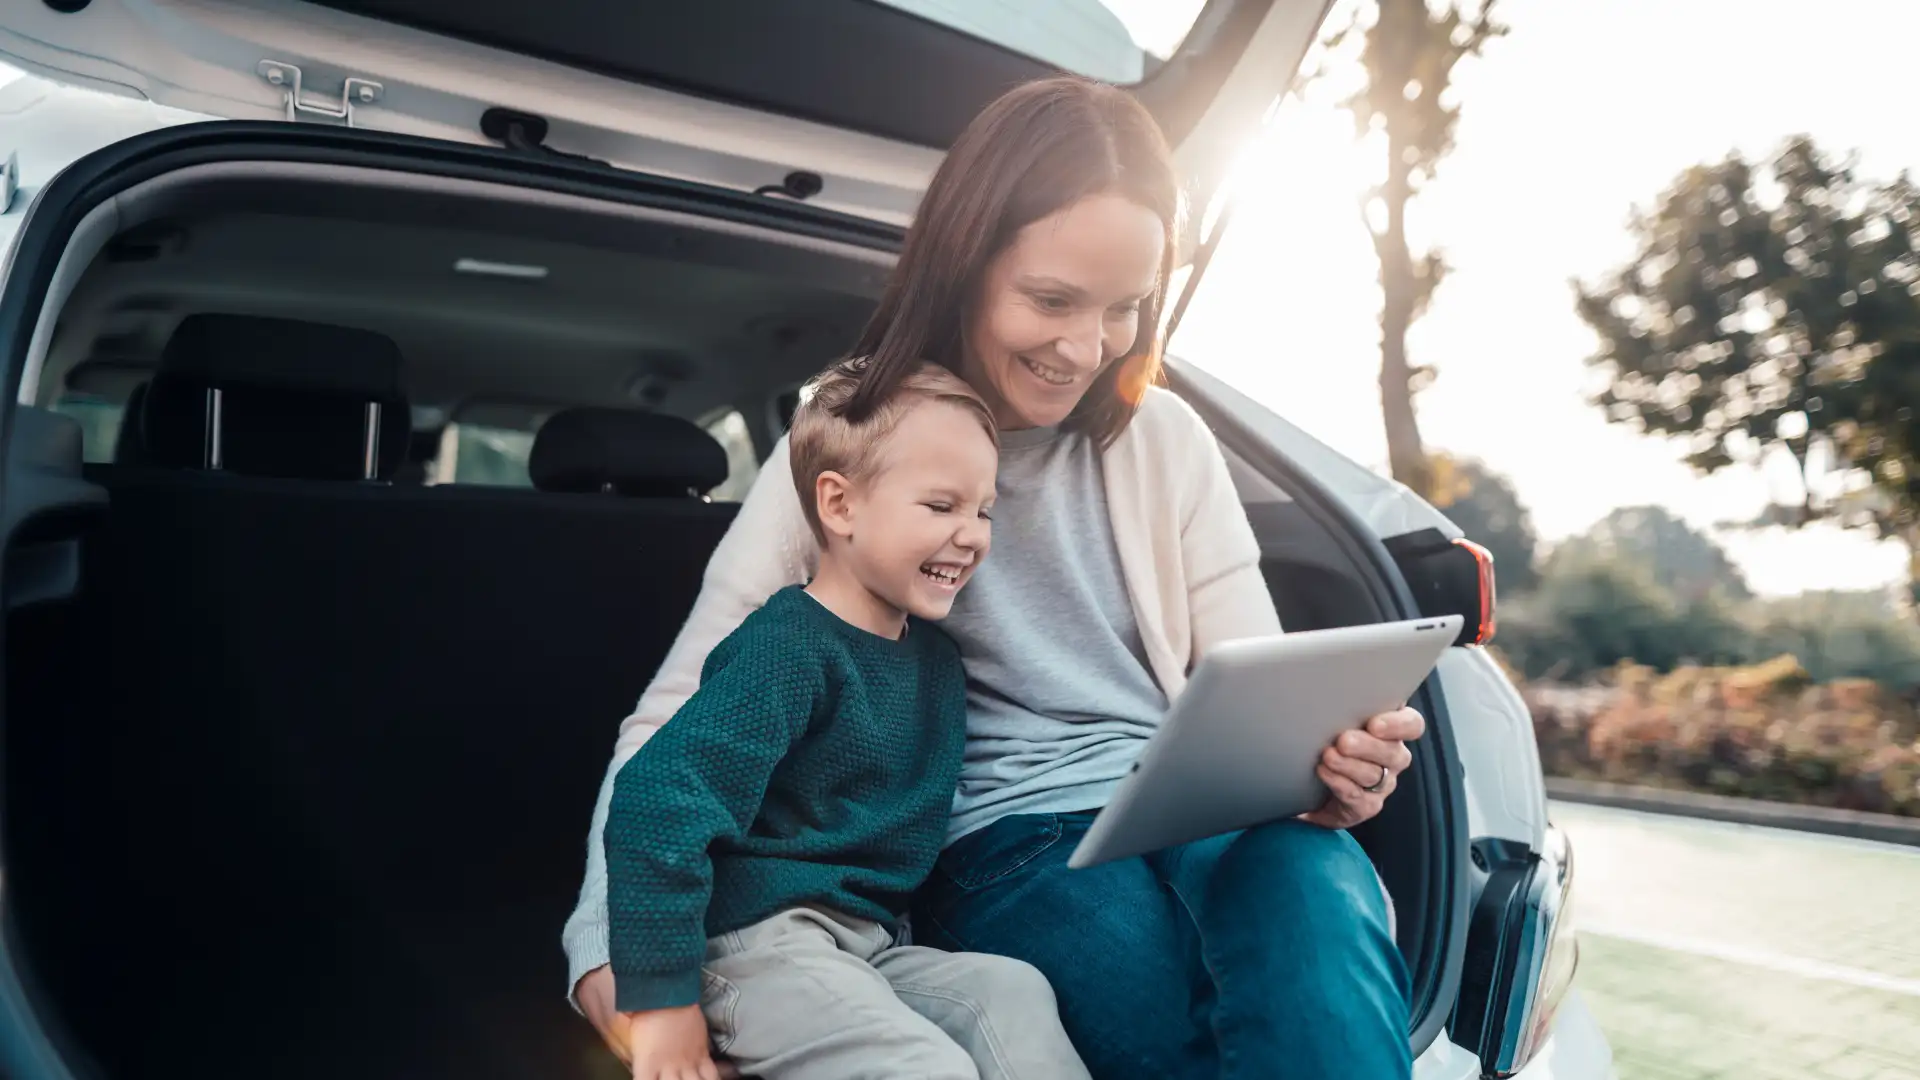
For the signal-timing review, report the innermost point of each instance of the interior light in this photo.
(521, 271)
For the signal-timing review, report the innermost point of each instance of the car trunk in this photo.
(297, 773)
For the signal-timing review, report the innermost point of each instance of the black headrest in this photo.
(631, 453)
(284, 354)
(294, 399)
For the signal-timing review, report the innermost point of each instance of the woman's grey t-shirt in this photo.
(1059, 697)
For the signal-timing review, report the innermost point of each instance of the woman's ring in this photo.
(1382, 782)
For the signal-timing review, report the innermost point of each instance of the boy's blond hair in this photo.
(821, 439)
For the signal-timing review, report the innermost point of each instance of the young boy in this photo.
(763, 845)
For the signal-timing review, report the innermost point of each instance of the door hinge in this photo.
(354, 92)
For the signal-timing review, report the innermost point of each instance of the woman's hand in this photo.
(1369, 758)
(594, 992)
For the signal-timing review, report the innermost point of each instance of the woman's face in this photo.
(1060, 304)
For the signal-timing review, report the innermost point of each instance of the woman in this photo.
(1036, 270)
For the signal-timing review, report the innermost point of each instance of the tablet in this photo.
(1240, 745)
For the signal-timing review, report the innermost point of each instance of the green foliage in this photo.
(1409, 53)
(1594, 612)
(1591, 611)
(1643, 587)
(1839, 635)
(1680, 560)
(1488, 510)
(1774, 306)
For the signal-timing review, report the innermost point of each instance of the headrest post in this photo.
(210, 450)
(370, 467)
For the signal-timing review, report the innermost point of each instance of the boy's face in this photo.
(918, 523)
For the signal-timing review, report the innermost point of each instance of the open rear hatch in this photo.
(735, 94)
(857, 97)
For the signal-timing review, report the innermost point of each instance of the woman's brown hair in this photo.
(1039, 149)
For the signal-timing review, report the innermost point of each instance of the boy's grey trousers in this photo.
(811, 994)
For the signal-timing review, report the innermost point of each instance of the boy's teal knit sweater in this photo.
(815, 765)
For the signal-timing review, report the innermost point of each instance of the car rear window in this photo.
(99, 421)
(481, 454)
(1118, 41)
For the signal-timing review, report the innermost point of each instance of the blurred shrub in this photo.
(1764, 731)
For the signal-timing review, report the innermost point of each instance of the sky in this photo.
(1584, 110)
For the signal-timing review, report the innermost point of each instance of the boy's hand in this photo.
(670, 1044)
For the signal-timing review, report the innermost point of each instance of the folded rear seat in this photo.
(345, 736)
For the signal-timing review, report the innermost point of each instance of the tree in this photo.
(1596, 607)
(1409, 54)
(1488, 510)
(1837, 635)
(1774, 308)
(1591, 611)
(1641, 585)
(1679, 559)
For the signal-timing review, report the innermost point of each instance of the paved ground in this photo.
(1735, 953)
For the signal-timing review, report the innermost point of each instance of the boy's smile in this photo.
(947, 575)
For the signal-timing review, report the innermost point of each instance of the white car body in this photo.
(173, 61)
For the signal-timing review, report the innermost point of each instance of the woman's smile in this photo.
(1048, 374)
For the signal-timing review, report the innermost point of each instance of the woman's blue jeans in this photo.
(1264, 953)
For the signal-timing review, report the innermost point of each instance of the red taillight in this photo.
(1448, 576)
(1484, 560)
